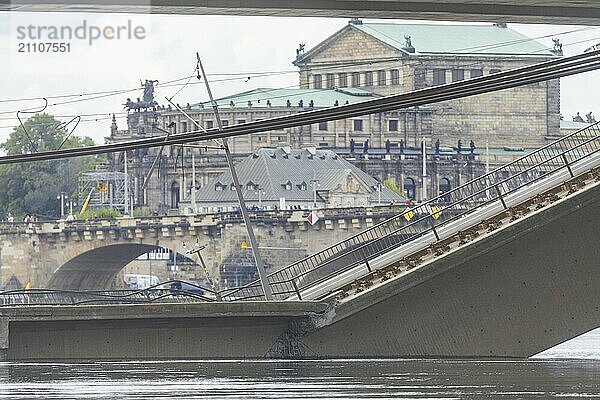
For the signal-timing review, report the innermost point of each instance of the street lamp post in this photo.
(193, 183)
(424, 194)
(314, 183)
(62, 197)
(260, 192)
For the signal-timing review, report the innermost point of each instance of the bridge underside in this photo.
(584, 12)
(97, 268)
(513, 293)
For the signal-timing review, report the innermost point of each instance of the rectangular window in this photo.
(439, 76)
(393, 125)
(184, 126)
(357, 124)
(323, 126)
(355, 79)
(458, 75)
(330, 81)
(495, 71)
(395, 77)
(368, 78)
(317, 81)
(225, 122)
(343, 78)
(241, 121)
(381, 80)
(475, 73)
(209, 124)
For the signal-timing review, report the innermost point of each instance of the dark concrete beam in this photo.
(584, 12)
(513, 293)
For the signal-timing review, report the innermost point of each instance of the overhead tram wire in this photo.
(503, 80)
(242, 75)
(255, 74)
(387, 80)
(81, 97)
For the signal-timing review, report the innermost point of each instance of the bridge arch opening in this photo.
(100, 268)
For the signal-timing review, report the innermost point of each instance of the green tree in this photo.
(392, 186)
(32, 188)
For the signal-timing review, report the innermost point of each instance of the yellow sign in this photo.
(408, 215)
(435, 212)
(244, 245)
(101, 187)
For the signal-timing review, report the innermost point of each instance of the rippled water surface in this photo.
(571, 370)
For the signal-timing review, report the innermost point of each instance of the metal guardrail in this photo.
(425, 218)
(409, 225)
(176, 292)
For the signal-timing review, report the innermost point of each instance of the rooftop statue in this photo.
(590, 119)
(557, 46)
(147, 99)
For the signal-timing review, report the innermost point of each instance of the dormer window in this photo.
(232, 186)
(287, 185)
(302, 186)
(219, 186)
(251, 186)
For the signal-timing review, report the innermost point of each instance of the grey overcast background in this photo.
(228, 45)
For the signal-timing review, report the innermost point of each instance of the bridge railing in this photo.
(426, 218)
(171, 291)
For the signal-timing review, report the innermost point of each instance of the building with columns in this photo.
(364, 61)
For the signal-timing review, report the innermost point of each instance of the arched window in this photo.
(445, 189)
(409, 188)
(174, 195)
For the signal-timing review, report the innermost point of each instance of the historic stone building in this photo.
(388, 58)
(363, 61)
(283, 177)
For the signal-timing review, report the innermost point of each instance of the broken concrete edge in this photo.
(289, 344)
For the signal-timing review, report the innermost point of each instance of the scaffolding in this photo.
(107, 189)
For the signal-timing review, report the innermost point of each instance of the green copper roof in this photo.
(455, 39)
(264, 97)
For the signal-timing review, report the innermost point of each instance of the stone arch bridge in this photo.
(89, 254)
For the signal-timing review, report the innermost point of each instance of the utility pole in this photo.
(193, 183)
(126, 183)
(424, 194)
(314, 183)
(487, 156)
(238, 189)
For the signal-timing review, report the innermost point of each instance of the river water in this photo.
(571, 370)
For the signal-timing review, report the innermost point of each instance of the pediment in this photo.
(349, 44)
